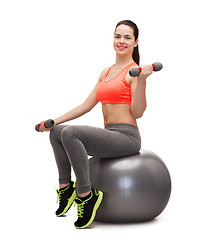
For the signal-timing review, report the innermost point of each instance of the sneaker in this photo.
(86, 210)
(66, 198)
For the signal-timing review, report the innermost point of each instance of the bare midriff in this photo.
(118, 113)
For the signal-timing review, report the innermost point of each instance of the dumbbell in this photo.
(135, 72)
(48, 124)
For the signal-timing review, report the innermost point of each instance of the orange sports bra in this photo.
(115, 90)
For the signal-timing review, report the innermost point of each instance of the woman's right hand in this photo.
(42, 127)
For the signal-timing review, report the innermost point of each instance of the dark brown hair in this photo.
(135, 55)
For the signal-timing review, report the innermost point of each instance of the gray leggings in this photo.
(73, 144)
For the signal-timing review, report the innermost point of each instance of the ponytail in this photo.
(136, 56)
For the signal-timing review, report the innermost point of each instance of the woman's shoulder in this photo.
(104, 71)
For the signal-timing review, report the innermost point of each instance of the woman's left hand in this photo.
(147, 70)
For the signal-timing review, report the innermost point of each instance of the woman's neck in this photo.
(123, 61)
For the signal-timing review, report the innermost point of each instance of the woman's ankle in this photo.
(82, 195)
(64, 185)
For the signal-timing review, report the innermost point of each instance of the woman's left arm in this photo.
(138, 91)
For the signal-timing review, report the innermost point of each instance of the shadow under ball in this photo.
(136, 188)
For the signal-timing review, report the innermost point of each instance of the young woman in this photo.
(123, 101)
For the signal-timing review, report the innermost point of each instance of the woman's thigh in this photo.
(104, 143)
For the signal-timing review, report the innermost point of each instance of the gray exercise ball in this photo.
(136, 188)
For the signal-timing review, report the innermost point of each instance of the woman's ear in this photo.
(136, 43)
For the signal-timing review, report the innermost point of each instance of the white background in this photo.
(51, 55)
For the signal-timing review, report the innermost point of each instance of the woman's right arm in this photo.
(78, 111)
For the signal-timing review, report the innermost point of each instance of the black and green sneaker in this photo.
(66, 198)
(86, 209)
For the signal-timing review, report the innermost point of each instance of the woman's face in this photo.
(124, 40)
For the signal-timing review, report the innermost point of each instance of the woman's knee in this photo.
(68, 133)
(55, 133)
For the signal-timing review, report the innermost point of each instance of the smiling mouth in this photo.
(121, 47)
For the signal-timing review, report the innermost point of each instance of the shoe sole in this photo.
(96, 206)
(70, 202)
